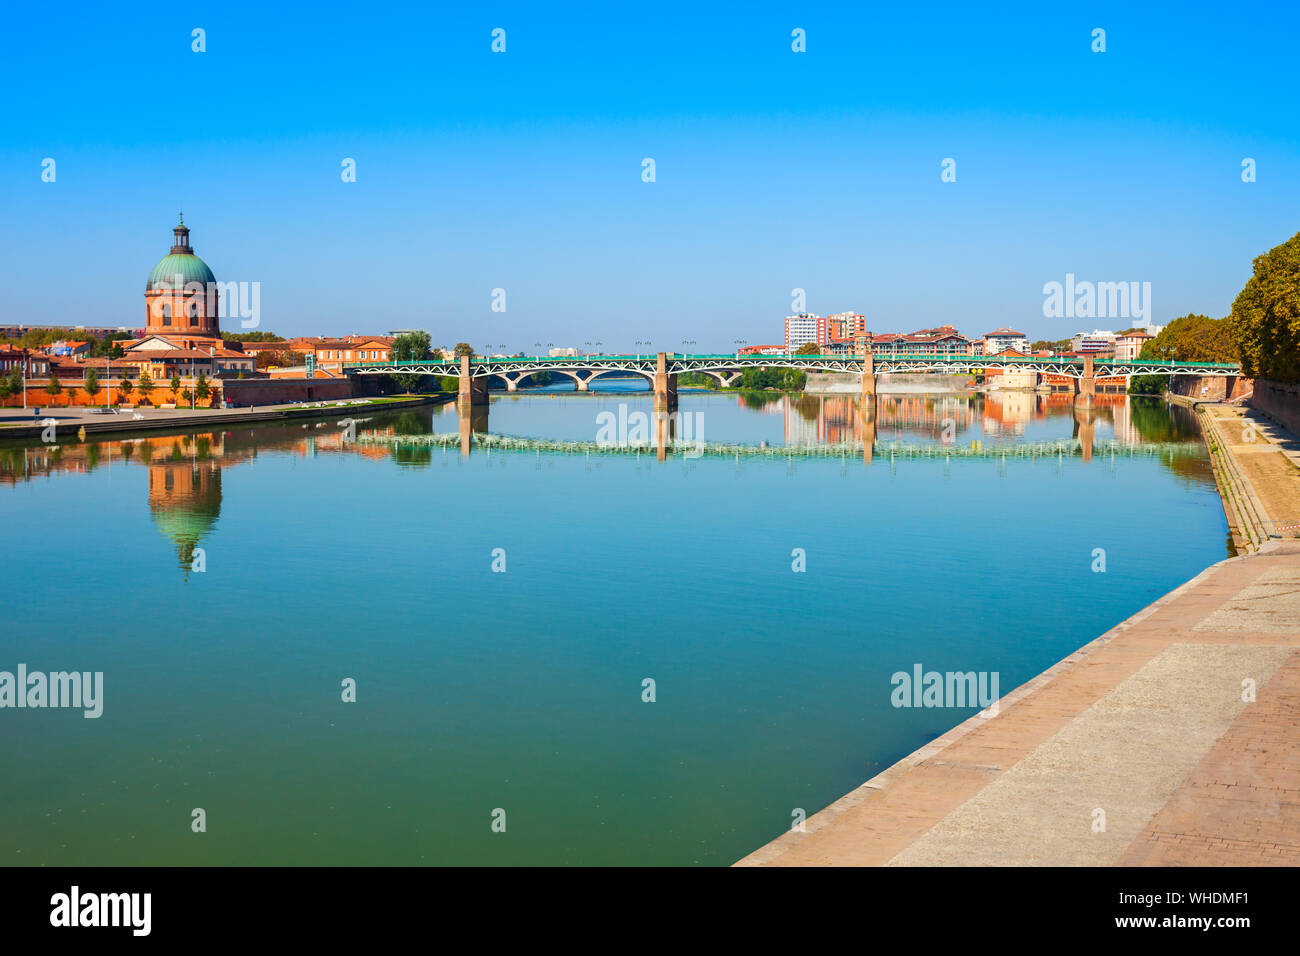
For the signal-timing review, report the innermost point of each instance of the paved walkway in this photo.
(1173, 739)
(1267, 456)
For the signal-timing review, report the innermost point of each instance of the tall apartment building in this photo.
(804, 328)
(845, 325)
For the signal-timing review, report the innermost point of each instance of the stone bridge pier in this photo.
(1087, 385)
(665, 386)
(473, 391)
(868, 377)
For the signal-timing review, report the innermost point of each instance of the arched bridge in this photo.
(662, 369)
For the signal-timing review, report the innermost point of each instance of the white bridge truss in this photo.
(584, 368)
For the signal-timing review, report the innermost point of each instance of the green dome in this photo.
(189, 267)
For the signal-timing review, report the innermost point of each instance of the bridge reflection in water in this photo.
(947, 419)
(185, 491)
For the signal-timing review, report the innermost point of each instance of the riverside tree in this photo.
(91, 383)
(1189, 338)
(410, 347)
(1265, 317)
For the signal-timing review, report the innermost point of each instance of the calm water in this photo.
(522, 690)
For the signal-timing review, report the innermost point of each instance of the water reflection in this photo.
(948, 418)
(184, 472)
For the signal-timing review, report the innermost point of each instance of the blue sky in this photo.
(775, 170)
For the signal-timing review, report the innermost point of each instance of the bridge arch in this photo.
(623, 373)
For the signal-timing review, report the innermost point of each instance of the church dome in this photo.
(180, 267)
(174, 272)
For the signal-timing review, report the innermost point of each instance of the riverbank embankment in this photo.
(912, 383)
(76, 418)
(1171, 740)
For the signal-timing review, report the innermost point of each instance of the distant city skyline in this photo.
(522, 171)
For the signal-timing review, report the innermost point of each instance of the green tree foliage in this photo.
(410, 347)
(809, 348)
(53, 387)
(537, 379)
(39, 338)
(790, 379)
(250, 337)
(1042, 345)
(463, 348)
(697, 380)
(1265, 318)
(91, 383)
(175, 386)
(109, 345)
(201, 388)
(1193, 338)
(124, 387)
(1190, 338)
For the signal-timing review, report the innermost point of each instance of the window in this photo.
(167, 315)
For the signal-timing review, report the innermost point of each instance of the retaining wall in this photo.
(1280, 401)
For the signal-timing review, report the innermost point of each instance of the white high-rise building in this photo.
(804, 328)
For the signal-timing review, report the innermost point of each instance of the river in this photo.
(501, 614)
